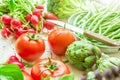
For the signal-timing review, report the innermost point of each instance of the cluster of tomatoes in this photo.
(37, 19)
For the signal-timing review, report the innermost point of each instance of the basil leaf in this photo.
(65, 77)
(6, 77)
(11, 70)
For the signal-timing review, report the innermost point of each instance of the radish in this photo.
(28, 17)
(39, 6)
(6, 19)
(38, 12)
(5, 32)
(48, 25)
(34, 20)
(13, 59)
(16, 24)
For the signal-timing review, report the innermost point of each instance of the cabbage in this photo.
(65, 8)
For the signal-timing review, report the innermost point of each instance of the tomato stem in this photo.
(51, 66)
(33, 36)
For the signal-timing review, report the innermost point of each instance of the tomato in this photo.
(29, 46)
(5, 32)
(28, 17)
(6, 19)
(48, 25)
(16, 23)
(49, 67)
(50, 15)
(34, 20)
(27, 76)
(59, 39)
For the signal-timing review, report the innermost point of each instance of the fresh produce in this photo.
(49, 68)
(59, 39)
(10, 72)
(49, 25)
(82, 54)
(102, 21)
(5, 32)
(107, 62)
(19, 15)
(15, 60)
(27, 76)
(29, 46)
(108, 74)
(65, 8)
(6, 19)
(65, 77)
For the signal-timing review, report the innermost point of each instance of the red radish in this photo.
(8, 26)
(5, 32)
(39, 6)
(34, 20)
(50, 15)
(16, 24)
(6, 19)
(13, 58)
(19, 32)
(49, 25)
(20, 64)
(28, 17)
(37, 12)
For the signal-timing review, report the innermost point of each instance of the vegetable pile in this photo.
(103, 21)
(26, 21)
(17, 19)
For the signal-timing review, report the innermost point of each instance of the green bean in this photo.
(114, 33)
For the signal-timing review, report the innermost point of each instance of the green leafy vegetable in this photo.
(65, 8)
(65, 77)
(12, 71)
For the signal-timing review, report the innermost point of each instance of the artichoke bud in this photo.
(82, 54)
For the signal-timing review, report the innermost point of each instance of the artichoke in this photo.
(82, 54)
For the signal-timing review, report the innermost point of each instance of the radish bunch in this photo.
(13, 26)
(35, 21)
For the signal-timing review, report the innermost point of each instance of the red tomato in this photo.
(50, 15)
(40, 69)
(59, 39)
(49, 25)
(39, 6)
(27, 76)
(30, 48)
(28, 17)
(16, 23)
(34, 20)
(6, 19)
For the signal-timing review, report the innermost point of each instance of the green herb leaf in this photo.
(6, 77)
(11, 70)
(11, 5)
(65, 77)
